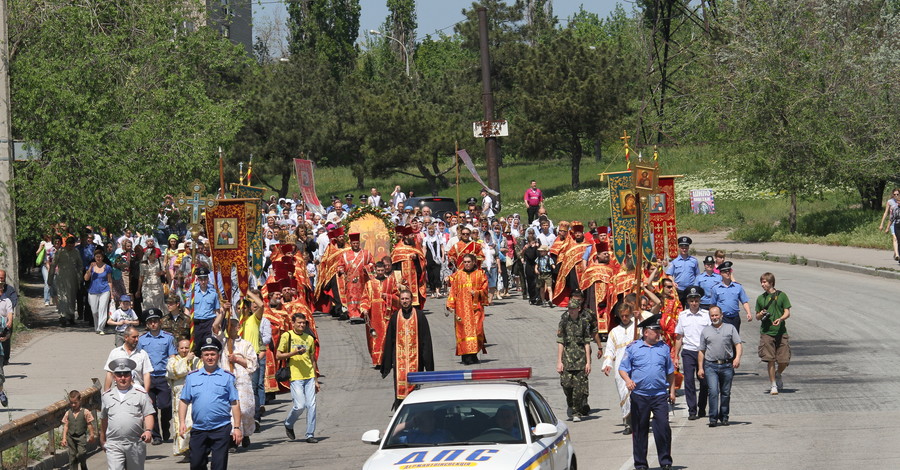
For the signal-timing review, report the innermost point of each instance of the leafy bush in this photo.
(826, 222)
(754, 233)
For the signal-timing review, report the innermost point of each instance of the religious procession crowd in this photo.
(210, 359)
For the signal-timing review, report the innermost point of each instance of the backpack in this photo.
(496, 205)
(895, 214)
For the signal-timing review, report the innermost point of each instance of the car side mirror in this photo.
(372, 436)
(543, 430)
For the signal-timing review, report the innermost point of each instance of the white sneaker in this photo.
(779, 382)
(774, 390)
(46, 304)
(576, 418)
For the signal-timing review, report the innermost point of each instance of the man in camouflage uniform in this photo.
(573, 357)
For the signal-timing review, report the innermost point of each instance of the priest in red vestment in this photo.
(407, 346)
(330, 289)
(596, 283)
(570, 263)
(409, 262)
(465, 246)
(466, 301)
(356, 263)
(380, 298)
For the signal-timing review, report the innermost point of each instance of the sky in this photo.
(433, 14)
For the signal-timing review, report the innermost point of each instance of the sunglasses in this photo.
(122, 374)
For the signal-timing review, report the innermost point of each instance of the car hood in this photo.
(506, 456)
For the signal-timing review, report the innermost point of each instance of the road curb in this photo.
(816, 263)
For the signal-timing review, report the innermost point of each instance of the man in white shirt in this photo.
(129, 350)
(397, 198)
(374, 199)
(545, 235)
(338, 214)
(487, 204)
(691, 323)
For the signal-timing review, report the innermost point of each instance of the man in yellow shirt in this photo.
(299, 348)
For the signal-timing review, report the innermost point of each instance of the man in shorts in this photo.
(772, 309)
(544, 270)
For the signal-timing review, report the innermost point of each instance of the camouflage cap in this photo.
(575, 303)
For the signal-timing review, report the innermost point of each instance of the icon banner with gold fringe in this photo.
(623, 202)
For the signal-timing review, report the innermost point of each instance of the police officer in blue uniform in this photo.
(206, 308)
(707, 280)
(684, 269)
(649, 374)
(215, 409)
(159, 346)
(730, 297)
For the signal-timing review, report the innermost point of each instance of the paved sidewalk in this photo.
(846, 258)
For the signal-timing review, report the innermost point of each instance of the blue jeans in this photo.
(719, 377)
(492, 277)
(258, 381)
(303, 394)
(47, 288)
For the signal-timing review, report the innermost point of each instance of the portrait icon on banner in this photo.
(224, 235)
(644, 178)
(628, 202)
(658, 203)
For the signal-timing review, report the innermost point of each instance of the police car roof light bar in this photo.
(466, 375)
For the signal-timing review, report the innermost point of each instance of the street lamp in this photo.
(402, 46)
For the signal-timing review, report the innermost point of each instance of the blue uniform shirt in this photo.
(158, 348)
(685, 271)
(707, 282)
(729, 298)
(205, 303)
(210, 396)
(648, 367)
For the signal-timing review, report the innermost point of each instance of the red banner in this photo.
(307, 184)
(662, 219)
(226, 228)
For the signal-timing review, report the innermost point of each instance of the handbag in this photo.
(284, 374)
(40, 256)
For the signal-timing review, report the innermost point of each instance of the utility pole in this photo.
(9, 254)
(487, 96)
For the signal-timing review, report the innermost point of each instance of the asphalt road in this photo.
(840, 406)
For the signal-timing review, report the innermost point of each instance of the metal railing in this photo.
(45, 421)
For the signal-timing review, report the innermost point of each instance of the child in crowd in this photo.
(76, 423)
(544, 270)
(122, 318)
(177, 369)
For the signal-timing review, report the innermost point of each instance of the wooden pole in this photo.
(639, 261)
(221, 175)
(456, 160)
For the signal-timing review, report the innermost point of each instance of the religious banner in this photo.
(467, 160)
(623, 202)
(307, 184)
(375, 229)
(662, 219)
(255, 235)
(226, 227)
(702, 201)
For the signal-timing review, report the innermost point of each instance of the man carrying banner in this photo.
(409, 263)
(379, 300)
(596, 283)
(465, 246)
(570, 262)
(330, 288)
(356, 263)
(466, 301)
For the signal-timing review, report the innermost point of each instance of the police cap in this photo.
(122, 364)
(152, 314)
(211, 343)
(471, 201)
(684, 241)
(651, 322)
(202, 272)
(709, 260)
(694, 291)
(726, 266)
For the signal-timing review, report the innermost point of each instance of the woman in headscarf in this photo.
(433, 245)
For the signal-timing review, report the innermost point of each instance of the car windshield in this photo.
(456, 423)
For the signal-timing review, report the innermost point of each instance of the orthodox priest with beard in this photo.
(356, 262)
(407, 347)
(571, 265)
(409, 261)
(379, 300)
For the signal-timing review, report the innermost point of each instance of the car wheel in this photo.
(573, 465)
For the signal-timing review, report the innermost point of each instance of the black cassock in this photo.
(423, 336)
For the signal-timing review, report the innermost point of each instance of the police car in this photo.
(473, 425)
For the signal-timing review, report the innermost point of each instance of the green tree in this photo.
(402, 24)
(291, 109)
(570, 92)
(125, 111)
(326, 28)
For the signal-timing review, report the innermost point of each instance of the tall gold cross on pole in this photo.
(625, 138)
(195, 202)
